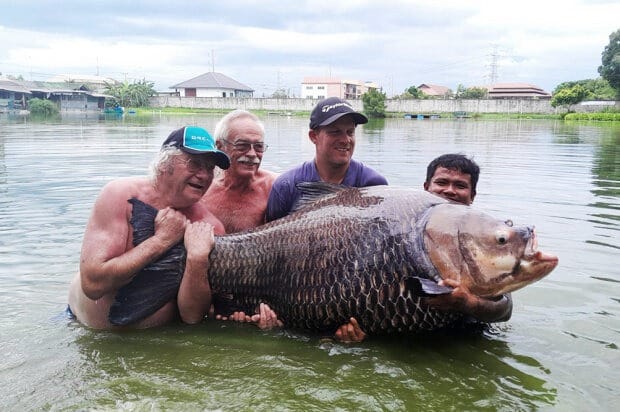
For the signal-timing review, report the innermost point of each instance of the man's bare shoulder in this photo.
(268, 174)
(134, 185)
(123, 189)
(266, 177)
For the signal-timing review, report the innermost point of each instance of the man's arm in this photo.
(106, 264)
(194, 297)
(462, 300)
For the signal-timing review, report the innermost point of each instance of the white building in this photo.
(322, 87)
(212, 85)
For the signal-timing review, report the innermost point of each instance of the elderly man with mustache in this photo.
(238, 195)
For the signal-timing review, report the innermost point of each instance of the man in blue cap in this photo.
(180, 175)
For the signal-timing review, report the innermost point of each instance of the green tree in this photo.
(471, 92)
(569, 95)
(610, 69)
(42, 107)
(136, 94)
(598, 89)
(412, 92)
(279, 94)
(374, 103)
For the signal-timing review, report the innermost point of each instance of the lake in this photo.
(558, 352)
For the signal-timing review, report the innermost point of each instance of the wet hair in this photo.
(455, 161)
(222, 128)
(162, 162)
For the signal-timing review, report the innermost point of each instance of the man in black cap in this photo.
(180, 176)
(332, 130)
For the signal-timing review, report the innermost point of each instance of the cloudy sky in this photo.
(274, 44)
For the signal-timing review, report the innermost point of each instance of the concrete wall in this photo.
(393, 105)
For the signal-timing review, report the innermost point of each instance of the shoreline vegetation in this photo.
(596, 116)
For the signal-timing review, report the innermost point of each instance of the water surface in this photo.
(559, 351)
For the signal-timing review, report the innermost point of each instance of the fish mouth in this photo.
(535, 262)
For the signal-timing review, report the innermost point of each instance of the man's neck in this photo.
(237, 183)
(332, 173)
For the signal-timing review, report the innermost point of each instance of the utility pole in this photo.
(212, 61)
(494, 64)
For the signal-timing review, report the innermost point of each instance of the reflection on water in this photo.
(557, 352)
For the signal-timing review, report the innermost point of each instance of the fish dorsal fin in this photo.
(312, 192)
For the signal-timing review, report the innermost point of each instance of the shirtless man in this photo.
(238, 195)
(180, 176)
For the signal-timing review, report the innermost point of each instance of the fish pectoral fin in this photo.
(157, 283)
(423, 287)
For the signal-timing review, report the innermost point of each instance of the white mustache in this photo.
(246, 159)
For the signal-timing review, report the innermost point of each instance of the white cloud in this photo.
(273, 44)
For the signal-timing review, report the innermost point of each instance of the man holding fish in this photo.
(332, 130)
(180, 176)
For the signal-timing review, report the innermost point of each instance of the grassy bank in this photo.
(189, 110)
(601, 116)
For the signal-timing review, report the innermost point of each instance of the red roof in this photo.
(516, 90)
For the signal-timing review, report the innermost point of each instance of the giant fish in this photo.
(371, 253)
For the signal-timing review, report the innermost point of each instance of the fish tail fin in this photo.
(157, 283)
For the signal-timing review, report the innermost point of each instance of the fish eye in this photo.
(501, 237)
(508, 223)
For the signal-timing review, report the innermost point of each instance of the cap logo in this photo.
(197, 138)
(328, 107)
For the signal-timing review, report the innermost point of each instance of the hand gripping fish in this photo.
(370, 253)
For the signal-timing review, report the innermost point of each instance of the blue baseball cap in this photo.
(196, 140)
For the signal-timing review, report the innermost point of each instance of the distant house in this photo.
(434, 90)
(322, 87)
(212, 84)
(13, 95)
(516, 91)
(69, 96)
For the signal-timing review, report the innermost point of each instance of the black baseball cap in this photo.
(196, 140)
(327, 111)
